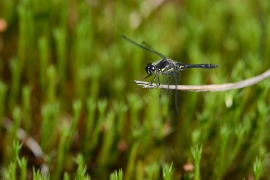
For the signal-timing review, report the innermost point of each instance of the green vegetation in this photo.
(66, 81)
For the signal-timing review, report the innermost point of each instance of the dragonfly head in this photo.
(150, 69)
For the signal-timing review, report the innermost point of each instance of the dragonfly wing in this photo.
(177, 78)
(165, 94)
(172, 78)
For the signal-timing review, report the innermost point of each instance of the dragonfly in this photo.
(170, 69)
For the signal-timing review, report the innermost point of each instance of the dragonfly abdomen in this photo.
(204, 66)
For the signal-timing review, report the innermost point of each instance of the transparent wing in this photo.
(148, 48)
(172, 78)
(165, 94)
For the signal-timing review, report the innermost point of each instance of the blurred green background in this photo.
(67, 79)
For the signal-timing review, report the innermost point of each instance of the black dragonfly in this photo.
(168, 68)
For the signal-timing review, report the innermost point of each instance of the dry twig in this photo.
(213, 87)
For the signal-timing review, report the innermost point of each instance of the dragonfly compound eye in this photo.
(150, 69)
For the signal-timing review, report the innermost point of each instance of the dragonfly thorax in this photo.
(150, 69)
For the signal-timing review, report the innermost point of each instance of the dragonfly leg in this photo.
(153, 80)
